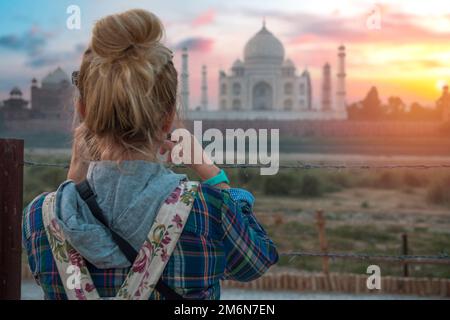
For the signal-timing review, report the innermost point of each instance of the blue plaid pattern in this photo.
(221, 240)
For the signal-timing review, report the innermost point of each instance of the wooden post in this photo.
(11, 184)
(405, 252)
(323, 241)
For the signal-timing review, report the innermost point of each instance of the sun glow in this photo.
(440, 84)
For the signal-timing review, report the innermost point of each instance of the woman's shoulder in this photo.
(32, 215)
(206, 214)
(211, 197)
(211, 202)
(208, 200)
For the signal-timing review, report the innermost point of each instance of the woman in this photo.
(92, 242)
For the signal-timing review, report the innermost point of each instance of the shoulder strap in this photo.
(86, 193)
(160, 243)
(72, 270)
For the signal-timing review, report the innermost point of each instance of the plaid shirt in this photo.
(221, 240)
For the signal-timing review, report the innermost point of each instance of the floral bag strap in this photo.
(153, 255)
(160, 243)
(71, 266)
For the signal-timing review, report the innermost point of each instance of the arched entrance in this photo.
(262, 96)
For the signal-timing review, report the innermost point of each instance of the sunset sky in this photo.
(408, 57)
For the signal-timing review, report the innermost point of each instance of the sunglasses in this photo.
(75, 76)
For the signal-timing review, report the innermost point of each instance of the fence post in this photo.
(405, 253)
(11, 184)
(323, 241)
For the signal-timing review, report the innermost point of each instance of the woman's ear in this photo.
(81, 109)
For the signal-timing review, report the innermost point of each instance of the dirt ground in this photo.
(358, 220)
(406, 208)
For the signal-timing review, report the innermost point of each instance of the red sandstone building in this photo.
(50, 108)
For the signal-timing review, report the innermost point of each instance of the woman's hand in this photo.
(205, 170)
(79, 163)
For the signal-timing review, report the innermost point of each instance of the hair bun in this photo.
(127, 33)
(127, 86)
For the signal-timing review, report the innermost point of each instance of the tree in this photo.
(372, 109)
(354, 111)
(369, 109)
(443, 105)
(371, 105)
(395, 108)
(418, 112)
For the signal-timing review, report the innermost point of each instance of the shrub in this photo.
(341, 180)
(310, 186)
(365, 205)
(245, 176)
(412, 180)
(278, 220)
(281, 184)
(38, 180)
(386, 180)
(439, 192)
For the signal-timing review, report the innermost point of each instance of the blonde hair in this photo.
(127, 84)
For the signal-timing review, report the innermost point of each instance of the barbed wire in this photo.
(41, 164)
(425, 259)
(297, 165)
(432, 259)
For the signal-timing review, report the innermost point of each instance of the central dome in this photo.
(264, 47)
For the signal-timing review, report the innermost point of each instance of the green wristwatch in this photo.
(221, 177)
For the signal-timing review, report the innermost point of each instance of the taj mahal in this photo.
(264, 85)
(267, 85)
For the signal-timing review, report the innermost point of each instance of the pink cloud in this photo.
(396, 27)
(205, 18)
(312, 41)
(196, 44)
(304, 38)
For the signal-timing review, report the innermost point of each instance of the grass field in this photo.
(375, 145)
(352, 227)
(366, 211)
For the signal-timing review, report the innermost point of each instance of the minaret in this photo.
(307, 77)
(34, 89)
(444, 104)
(341, 91)
(204, 101)
(185, 80)
(326, 88)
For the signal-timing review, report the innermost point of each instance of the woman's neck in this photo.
(117, 155)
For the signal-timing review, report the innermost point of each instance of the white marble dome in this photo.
(264, 81)
(264, 47)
